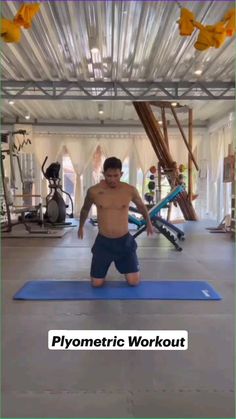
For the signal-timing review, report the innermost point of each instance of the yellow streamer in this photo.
(186, 22)
(25, 15)
(209, 35)
(10, 30)
(229, 19)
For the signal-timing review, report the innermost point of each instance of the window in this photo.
(68, 181)
(98, 160)
(139, 184)
(125, 170)
(97, 165)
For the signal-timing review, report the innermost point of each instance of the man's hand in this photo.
(81, 233)
(88, 202)
(150, 229)
(143, 210)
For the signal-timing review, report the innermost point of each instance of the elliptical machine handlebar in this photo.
(52, 171)
(44, 173)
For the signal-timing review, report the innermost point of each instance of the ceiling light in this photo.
(198, 72)
(11, 102)
(27, 116)
(94, 50)
(174, 103)
(160, 122)
(100, 109)
(93, 45)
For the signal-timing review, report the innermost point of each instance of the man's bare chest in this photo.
(112, 200)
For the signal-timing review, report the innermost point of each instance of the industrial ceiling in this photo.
(80, 53)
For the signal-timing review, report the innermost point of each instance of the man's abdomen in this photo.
(113, 224)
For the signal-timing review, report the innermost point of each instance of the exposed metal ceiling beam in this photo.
(91, 124)
(100, 90)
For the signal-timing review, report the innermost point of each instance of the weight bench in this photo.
(171, 232)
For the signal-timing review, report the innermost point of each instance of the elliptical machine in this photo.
(55, 204)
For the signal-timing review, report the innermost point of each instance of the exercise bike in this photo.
(55, 204)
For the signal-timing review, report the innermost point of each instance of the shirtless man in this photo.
(113, 243)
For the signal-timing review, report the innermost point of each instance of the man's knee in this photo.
(133, 279)
(97, 282)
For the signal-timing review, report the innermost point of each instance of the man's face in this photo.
(112, 177)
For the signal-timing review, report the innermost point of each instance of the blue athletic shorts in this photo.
(121, 251)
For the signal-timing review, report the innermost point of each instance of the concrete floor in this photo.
(198, 382)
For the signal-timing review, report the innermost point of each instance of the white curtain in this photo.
(145, 153)
(45, 145)
(116, 146)
(211, 150)
(81, 152)
(133, 165)
(219, 193)
(226, 188)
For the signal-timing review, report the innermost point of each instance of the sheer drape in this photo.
(145, 153)
(211, 150)
(115, 146)
(46, 145)
(219, 199)
(80, 151)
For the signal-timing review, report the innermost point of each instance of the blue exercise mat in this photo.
(117, 290)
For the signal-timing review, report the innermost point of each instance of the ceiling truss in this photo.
(101, 90)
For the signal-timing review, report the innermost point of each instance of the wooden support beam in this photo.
(154, 132)
(158, 142)
(184, 137)
(145, 123)
(186, 207)
(164, 124)
(144, 119)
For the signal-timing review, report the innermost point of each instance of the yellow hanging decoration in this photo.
(186, 22)
(204, 40)
(10, 30)
(218, 34)
(229, 19)
(209, 35)
(25, 15)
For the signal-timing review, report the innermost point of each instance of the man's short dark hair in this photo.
(112, 163)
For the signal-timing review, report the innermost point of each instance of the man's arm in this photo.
(88, 202)
(137, 200)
